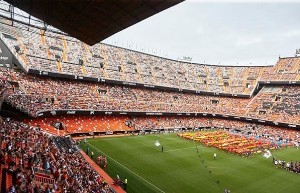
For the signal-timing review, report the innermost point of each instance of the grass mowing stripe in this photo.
(183, 171)
(180, 149)
(146, 144)
(128, 169)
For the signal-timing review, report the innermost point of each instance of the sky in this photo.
(219, 32)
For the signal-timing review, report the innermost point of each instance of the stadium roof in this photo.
(91, 21)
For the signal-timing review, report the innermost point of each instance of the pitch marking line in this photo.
(129, 169)
(167, 150)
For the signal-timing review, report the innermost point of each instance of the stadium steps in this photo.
(49, 53)
(186, 75)
(22, 88)
(123, 65)
(95, 91)
(231, 77)
(83, 70)
(207, 86)
(59, 66)
(23, 48)
(292, 62)
(103, 53)
(9, 181)
(194, 75)
(101, 172)
(43, 39)
(246, 90)
(261, 72)
(105, 73)
(297, 66)
(252, 104)
(64, 55)
(219, 76)
(275, 102)
(87, 53)
(283, 67)
(207, 78)
(154, 81)
(279, 64)
(271, 107)
(138, 68)
(225, 89)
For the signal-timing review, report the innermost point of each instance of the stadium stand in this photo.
(56, 77)
(66, 55)
(39, 162)
(286, 69)
(95, 21)
(279, 103)
(36, 94)
(82, 124)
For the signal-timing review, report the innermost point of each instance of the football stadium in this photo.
(80, 115)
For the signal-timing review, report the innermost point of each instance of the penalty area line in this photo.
(128, 169)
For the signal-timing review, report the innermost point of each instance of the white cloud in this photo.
(199, 30)
(219, 32)
(291, 34)
(247, 41)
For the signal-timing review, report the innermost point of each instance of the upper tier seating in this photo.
(286, 69)
(58, 53)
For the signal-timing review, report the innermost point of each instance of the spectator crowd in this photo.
(33, 94)
(31, 156)
(53, 52)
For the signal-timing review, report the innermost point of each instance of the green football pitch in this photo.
(180, 169)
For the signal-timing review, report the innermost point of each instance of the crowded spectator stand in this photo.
(35, 161)
(104, 89)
